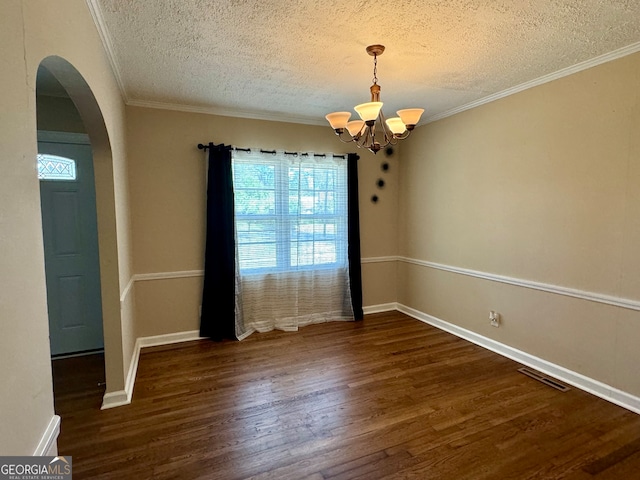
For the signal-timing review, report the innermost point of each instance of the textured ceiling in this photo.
(298, 60)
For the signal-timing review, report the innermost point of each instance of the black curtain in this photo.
(217, 319)
(355, 270)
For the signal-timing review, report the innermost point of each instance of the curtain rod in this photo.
(202, 146)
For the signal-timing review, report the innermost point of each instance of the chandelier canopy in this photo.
(373, 131)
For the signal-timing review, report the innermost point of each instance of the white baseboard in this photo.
(383, 307)
(115, 399)
(169, 338)
(48, 445)
(123, 397)
(595, 387)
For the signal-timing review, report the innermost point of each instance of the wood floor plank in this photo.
(389, 397)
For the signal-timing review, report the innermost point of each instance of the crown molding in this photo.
(578, 67)
(227, 112)
(98, 18)
(105, 37)
(279, 117)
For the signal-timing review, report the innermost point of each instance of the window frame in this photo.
(285, 221)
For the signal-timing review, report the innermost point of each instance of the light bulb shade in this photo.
(368, 111)
(354, 127)
(396, 125)
(338, 119)
(410, 116)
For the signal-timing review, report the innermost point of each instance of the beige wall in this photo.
(30, 31)
(541, 186)
(168, 205)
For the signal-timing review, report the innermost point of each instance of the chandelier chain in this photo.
(375, 69)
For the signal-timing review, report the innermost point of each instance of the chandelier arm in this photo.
(385, 128)
(369, 137)
(403, 135)
(344, 136)
(387, 134)
(362, 140)
(374, 144)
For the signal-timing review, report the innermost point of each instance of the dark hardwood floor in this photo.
(389, 397)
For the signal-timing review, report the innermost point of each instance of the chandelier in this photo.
(373, 131)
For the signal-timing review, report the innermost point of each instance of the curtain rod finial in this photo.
(202, 146)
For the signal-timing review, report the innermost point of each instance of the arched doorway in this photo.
(70, 84)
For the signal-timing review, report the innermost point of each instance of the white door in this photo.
(70, 232)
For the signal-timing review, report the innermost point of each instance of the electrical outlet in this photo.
(494, 318)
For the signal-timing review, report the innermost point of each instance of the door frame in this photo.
(63, 137)
(72, 138)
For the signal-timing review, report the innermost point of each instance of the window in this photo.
(290, 211)
(52, 167)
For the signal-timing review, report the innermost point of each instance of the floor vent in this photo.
(544, 379)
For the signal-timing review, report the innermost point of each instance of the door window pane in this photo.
(53, 167)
